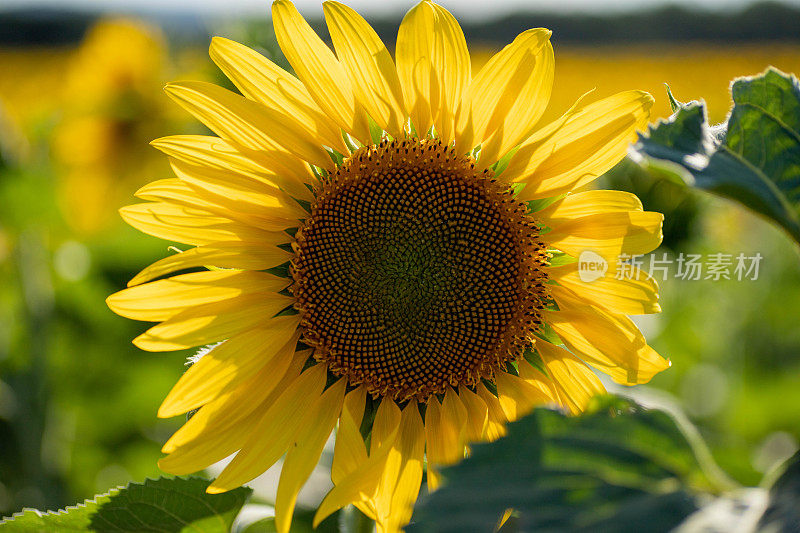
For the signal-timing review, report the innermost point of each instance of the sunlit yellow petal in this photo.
(507, 96)
(350, 450)
(211, 323)
(369, 66)
(213, 447)
(236, 254)
(477, 415)
(592, 140)
(444, 434)
(253, 396)
(496, 418)
(239, 194)
(249, 123)
(535, 377)
(635, 294)
(281, 423)
(402, 474)
(163, 299)
(189, 225)
(518, 396)
(575, 383)
(274, 166)
(229, 364)
(588, 203)
(221, 427)
(179, 193)
(608, 341)
(261, 80)
(609, 234)
(387, 418)
(434, 68)
(305, 451)
(175, 191)
(359, 485)
(316, 66)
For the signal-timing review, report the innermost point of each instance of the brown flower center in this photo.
(416, 271)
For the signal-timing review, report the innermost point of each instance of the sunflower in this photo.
(386, 247)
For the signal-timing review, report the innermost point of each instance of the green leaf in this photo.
(170, 504)
(74, 518)
(617, 468)
(754, 159)
(165, 505)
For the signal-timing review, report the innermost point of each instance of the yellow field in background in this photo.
(693, 71)
(32, 81)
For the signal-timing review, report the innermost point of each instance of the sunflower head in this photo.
(394, 243)
(416, 271)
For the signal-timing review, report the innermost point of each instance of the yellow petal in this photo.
(527, 147)
(240, 194)
(387, 418)
(189, 225)
(253, 396)
(359, 485)
(350, 450)
(305, 451)
(223, 426)
(444, 434)
(495, 427)
(210, 323)
(179, 193)
(588, 203)
(163, 299)
(636, 294)
(608, 341)
(402, 474)
(213, 447)
(434, 68)
(518, 396)
(275, 431)
(591, 141)
(235, 254)
(316, 66)
(261, 80)
(275, 167)
(477, 415)
(575, 382)
(507, 96)
(227, 365)
(533, 376)
(248, 123)
(609, 234)
(369, 66)
(174, 191)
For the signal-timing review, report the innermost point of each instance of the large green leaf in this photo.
(165, 505)
(753, 159)
(617, 468)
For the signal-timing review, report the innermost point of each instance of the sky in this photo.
(462, 8)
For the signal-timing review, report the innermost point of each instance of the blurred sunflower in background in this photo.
(388, 246)
(111, 109)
